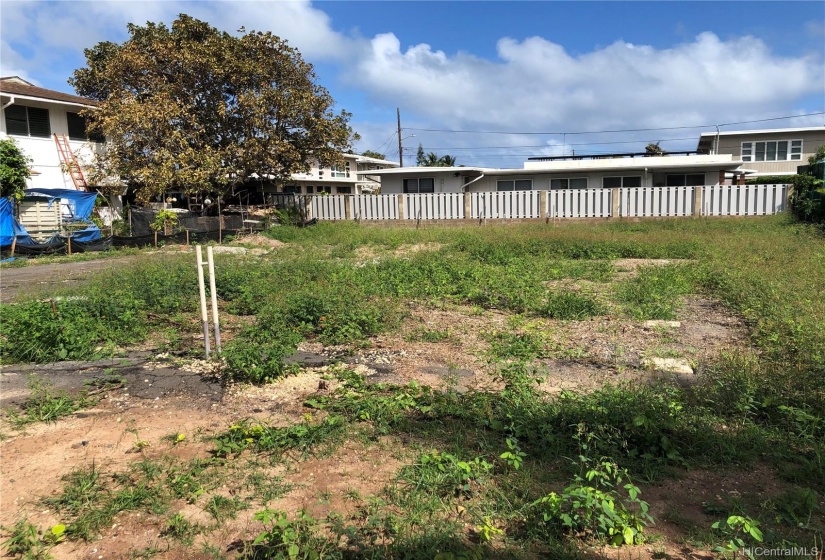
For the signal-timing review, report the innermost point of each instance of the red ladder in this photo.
(68, 159)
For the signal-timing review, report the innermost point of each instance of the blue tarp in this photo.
(9, 227)
(81, 204)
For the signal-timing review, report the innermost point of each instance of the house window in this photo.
(28, 121)
(572, 183)
(339, 171)
(78, 129)
(310, 189)
(622, 182)
(292, 189)
(772, 150)
(425, 185)
(344, 190)
(322, 190)
(685, 180)
(520, 185)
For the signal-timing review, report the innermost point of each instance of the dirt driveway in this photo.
(15, 281)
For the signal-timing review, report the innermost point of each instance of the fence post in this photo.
(307, 203)
(543, 206)
(347, 208)
(697, 201)
(468, 208)
(615, 203)
(400, 206)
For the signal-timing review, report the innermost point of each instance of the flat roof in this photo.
(580, 167)
(765, 131)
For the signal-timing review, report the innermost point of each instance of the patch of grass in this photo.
(429, 335)
(571, 305)
(303, 437)
(266, 487)
(656, 291)
(45, 404)
(522, 346)
(29, 543)
(222, 508)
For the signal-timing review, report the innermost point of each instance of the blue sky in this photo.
(562, 67)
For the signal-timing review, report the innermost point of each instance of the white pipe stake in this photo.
(214, 294)
(202, 289)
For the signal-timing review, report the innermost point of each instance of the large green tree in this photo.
(14, 169)
(193, 108)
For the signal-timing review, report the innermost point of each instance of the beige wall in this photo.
(811, 140)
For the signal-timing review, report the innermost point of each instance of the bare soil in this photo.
(155, 396)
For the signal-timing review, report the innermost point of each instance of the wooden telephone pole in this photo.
(400, 149)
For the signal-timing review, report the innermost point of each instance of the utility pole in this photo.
(400, 149)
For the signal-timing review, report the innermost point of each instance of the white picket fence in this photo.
(375, 207)
(656, 201)
(726, 200)
(746, 200)
(580, 203)
(434, 206)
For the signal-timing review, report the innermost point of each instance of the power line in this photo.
(612, 131)
(560, 145)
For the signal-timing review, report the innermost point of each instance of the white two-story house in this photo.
(356, 176)
(33, 116)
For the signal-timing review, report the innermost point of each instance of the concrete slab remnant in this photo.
(673, 365)
(657, 324)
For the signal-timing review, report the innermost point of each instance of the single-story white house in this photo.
(572, 172)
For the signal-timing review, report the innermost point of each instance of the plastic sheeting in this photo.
(82, 203)
(9, 226)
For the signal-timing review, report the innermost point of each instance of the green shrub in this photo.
(597, 505)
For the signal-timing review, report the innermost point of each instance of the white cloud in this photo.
(39, 35)
(536, 85)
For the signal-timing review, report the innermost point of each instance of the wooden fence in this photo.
(725, 200)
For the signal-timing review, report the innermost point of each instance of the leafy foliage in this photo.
(739, 531)
(164, 221)
(28, 543)
(14, 169)
(236, 106)
(594, 507)
(283, 539)
(808, 198)
(372, 154)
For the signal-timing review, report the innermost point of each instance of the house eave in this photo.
(45, 100)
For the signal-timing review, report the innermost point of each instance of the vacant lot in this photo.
(651, 389)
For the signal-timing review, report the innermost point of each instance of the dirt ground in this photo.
(15, 281)
(146, 397)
